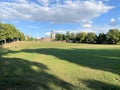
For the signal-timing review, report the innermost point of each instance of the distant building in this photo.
(52, 36)
(48, 39)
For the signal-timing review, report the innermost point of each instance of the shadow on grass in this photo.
(98, 85)
(107, 60)
(20, 74)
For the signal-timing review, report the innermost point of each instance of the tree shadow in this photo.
(98, 85)
(20, 74)
(107, 60)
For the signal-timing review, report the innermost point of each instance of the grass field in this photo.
(59, 66)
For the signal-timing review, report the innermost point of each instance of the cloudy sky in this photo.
(38, 17)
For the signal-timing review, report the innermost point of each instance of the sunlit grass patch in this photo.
(60, 66)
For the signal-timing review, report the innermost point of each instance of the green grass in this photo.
(59, 66)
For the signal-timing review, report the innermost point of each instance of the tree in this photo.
(59, 37)
(2, 34)
(9, 33)
(80, 37)
(113, 36)
(2, 37)
(22, 37)
(102, 38)
(67, 36)
(70, 37)
(91, 38)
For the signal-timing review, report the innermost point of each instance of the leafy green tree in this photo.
(113, 36)
(102, 38)
(70, 37)
(59, 37)
(73, 37)
(80, 37)
(2, 36)
(22, 37)
(67, 36)
(2, 33)
(9, 33)
(91, 38)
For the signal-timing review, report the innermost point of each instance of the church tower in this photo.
(52, 36)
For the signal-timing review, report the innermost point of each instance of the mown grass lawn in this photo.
(59, 66)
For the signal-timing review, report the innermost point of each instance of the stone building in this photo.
(48, 39)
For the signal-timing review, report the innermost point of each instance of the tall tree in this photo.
(9, 33)
(102, 38)
(59, 37)
(72, 37)
(67, 36)
(91, 38)
(2, 36)
(113, 36)
(80, 37)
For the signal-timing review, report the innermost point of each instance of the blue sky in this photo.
(38, 17)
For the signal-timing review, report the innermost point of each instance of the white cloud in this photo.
(87, 30)
(65, 31)
(74, 31)
(69, 12)
(113, 22)
(47, 33)
(86, 24)
(95, 29)
(119, 19)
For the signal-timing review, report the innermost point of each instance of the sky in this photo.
(37, 18)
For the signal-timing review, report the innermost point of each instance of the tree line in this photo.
(8, 33)
(111, 37)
